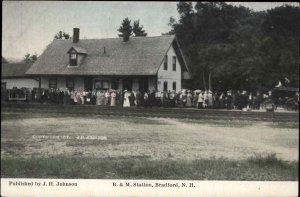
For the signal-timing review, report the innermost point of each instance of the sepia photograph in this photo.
(149, 95)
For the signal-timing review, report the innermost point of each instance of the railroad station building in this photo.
(154, 63)
(13, 76)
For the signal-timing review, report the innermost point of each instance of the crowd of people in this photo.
(184, 98)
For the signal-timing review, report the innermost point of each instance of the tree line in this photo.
(236, 47)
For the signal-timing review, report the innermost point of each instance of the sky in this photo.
(29, 26)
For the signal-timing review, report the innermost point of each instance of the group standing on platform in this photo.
(201, 99)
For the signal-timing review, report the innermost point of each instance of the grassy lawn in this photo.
(146, 148)
(257, 168)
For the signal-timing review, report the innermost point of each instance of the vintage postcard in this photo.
(149, 98)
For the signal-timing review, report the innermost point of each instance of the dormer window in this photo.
(76, 55)
(73, 59)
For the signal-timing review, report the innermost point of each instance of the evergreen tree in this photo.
(138, 30)
(125, 29)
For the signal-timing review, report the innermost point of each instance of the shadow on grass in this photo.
(258, 168)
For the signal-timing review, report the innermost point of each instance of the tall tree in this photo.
(62, 35)
(280, 45)
(240, 48)
(137, 29)
(125, 30)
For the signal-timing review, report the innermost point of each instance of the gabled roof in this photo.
(78, 50)
(14, 70)
(138, 56)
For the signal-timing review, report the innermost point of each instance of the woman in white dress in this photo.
(113, 98)
(98, 94)
(126, 99)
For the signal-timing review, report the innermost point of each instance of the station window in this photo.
(174, 85)
(53, 83)
(174, 63)
(166, 62)
(101, 84)
(73, 59)
(70, 84)
(114, 84)
(165, 86)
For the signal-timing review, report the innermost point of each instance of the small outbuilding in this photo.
(13, 75)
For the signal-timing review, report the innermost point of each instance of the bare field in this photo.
(156, 138)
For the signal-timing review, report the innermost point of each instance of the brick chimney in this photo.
(75, 35)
